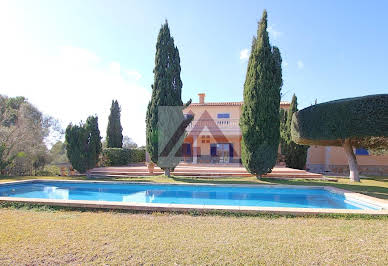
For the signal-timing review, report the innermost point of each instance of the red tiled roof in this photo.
(226, 103)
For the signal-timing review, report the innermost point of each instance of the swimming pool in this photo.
(221, 195)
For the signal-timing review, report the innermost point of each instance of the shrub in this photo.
(49, 170)
(138, 155)
(295, 155)
(83, 144)
(119, 156)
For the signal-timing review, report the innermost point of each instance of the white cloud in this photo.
(73, 84)
(285, 63)
(274, 33)
(134, 74)
(300, 64)
(115, 68)
(244, 54)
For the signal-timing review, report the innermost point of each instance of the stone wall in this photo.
(378, 170)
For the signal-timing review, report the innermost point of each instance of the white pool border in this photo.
(383, 204)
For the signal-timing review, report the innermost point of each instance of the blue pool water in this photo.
(261, 196)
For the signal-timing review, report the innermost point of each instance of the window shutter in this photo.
(188, 149)
(213, 150)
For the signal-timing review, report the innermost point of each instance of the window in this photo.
(223, 115)
(361, 151)
(222, 151)
(205, 139)
(213, 149)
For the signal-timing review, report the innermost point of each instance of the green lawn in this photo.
(73, 237)
(61, 236)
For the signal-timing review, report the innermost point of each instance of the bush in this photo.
(83, 144)
(138, 156)
(295, 155)
(331, 122)
(119, 156)
(49, 170)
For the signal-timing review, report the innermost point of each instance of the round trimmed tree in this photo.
(352, 122)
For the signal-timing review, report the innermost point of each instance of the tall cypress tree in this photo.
(293, 108)
(114, 132)
(259, 120)
(285, 123)
(166, 92)
(94, 142)
(295, 154)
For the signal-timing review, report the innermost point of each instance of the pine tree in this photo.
(259, 121)
(166, 92)
(114, 132)
(295, 154)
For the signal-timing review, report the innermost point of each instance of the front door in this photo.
(223, 151)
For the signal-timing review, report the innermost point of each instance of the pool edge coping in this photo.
(203, 208)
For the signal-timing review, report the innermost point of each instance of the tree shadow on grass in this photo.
(378, 178)
(235, 180)
(370, 190)
(21, 178)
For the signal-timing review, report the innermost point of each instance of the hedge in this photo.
(331, 122)
(119, 156)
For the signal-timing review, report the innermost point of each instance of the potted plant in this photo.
(151, 167)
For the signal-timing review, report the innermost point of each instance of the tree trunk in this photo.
(167, 172)
(353, 166)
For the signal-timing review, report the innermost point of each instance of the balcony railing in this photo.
(214, 123)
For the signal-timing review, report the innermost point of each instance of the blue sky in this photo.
(70, 58)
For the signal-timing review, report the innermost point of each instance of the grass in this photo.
(373, 186)
(73, 237)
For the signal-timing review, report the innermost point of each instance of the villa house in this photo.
(214, 136)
